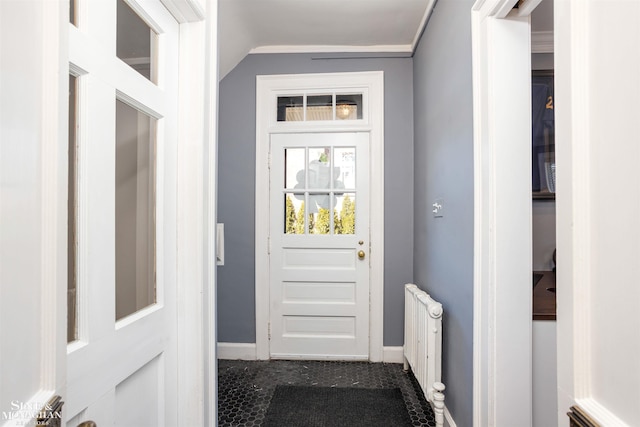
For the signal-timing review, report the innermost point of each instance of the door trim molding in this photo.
(373, 122)
(502, 325)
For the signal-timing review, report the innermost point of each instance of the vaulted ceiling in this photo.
(274, 26)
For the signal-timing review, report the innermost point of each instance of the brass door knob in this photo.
(361, 254)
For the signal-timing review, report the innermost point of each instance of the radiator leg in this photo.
(438, 403)
(406, 364)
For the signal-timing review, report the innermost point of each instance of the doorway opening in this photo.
(320, 109)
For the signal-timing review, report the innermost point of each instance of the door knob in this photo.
(87, 424)
(361, 254)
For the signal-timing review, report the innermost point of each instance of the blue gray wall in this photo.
(443, 260)
(236, 181)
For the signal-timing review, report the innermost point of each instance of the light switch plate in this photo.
(437, 208)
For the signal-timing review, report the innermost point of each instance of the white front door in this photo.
(319, 256)
(121, 365)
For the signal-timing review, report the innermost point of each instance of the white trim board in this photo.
(391, 48)
(373, 122)
(502, 352)
(393, 354)
(209, 328)
(236, 351)
(247, 351)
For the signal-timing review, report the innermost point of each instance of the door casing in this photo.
(502, 359)
(267, 89)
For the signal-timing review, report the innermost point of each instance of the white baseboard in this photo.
(393, 355)
(237, 351)
(448, 419)
(247, 351)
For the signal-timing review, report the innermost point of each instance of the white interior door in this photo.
(121, 365)
(319, 255)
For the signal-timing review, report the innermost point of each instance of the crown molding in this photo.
(423, 24)
(403, 48)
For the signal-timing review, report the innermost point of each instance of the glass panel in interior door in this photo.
(135, 204)
(72, 13)
(136, 42)
(72, 241)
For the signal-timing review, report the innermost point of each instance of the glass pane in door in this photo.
(319, 168)
(135, 210)
(72, 13)
(294, 174)
(344, 214)
(294, 216)
(136, 42)
(72, 282)
(344, 167)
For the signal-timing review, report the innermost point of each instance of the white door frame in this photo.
(197, 210)
(502, 392)
(267, 88)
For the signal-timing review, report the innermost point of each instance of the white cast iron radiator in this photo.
(423, 345)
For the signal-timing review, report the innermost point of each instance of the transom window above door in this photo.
(319, 107)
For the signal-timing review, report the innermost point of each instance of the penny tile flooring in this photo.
(245, 388)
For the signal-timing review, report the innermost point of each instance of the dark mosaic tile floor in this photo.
(245, 388)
